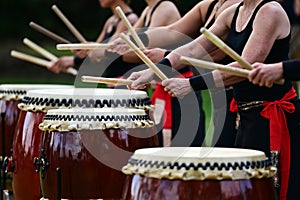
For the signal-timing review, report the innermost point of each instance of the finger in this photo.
(252, 75)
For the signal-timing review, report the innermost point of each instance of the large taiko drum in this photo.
(28, 137)
(198, 173)
(10, 97)
(91, 146)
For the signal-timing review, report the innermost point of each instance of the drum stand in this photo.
(58, 171)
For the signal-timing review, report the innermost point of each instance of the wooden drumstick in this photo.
(82, 46)
(230, 52)
(38, 61)
(46, 54)
(225, 48)
(29, 58)
(214, 66)
(39, 49)
(130, 28)
(143, 57)
(68, 24)
(48, 33)
(116, 81)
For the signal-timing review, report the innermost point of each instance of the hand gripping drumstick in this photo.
(143, 57)
(230, 52)
(68, 24)
(116, 81)
(130, 28)
(35, 60)
(46, 54)
(88, 46)
(48, 33)
(214, 66)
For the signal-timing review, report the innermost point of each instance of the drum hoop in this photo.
(65, 123)
(18, 91)
(12, 94)
(35, 104)
(200, 171)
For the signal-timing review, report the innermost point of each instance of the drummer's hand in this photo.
(141, 79)
(177, 87)
(265, 74)
(61, 64)
(155, 55)
(118, 46)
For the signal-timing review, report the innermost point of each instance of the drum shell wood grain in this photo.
(11, 116)
(83, 176)
(26, 146)
(142, 188)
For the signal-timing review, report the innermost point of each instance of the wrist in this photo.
(202, 82)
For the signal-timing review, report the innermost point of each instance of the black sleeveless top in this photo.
(115, 66)
(109, 34)
(246, 91)
(153, 10)
(208, 13)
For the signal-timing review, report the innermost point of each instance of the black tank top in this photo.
(145, 26)
(109, 34)
(208, 13)
(246, 91)
(114, 66)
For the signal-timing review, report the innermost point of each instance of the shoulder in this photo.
(273, 15)
(167, 6)
(272, 8)
(132, 18)
(167, 9)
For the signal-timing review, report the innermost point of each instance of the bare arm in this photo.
(201, 46)
(189, 25)
(270, 24)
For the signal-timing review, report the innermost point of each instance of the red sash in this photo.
(160, 93)
(279, 133)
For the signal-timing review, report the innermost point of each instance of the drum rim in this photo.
(18, 91)
(39, 100)
(65, 120)
(200, 168)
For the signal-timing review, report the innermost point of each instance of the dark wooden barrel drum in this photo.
(91, 146)
(10, 96)
(198, 173)
(28, 137)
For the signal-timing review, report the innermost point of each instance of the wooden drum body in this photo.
(90, 146)
(199, 173)
(10, 97)
(28, 137)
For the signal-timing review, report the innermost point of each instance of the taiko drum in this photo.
(90, 146)
(34, 105)
(199, 173)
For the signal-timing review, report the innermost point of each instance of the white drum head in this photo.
(199, 163)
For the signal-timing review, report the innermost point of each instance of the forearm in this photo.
(197, 49)
(162, 37)
(131, 57)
